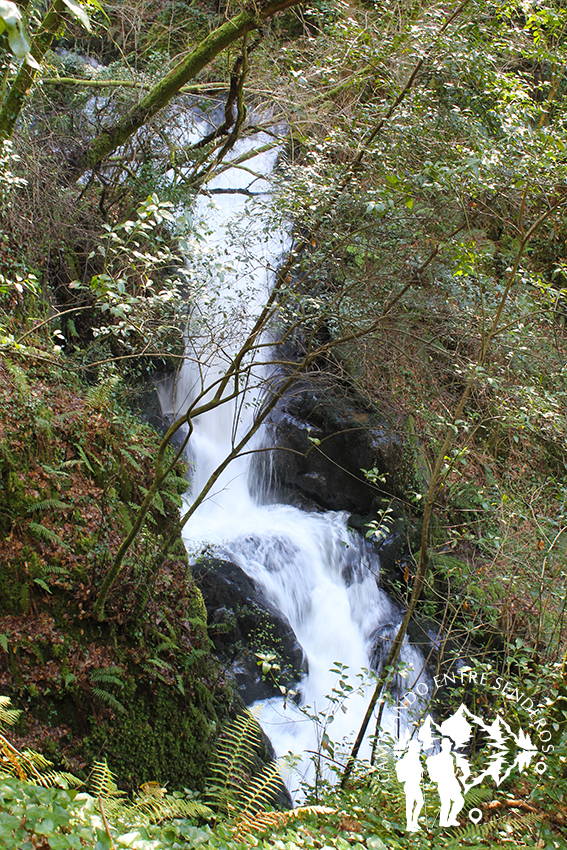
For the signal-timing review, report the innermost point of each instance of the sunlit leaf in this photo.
(78, 12)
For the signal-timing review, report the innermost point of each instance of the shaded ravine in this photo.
(323, 577)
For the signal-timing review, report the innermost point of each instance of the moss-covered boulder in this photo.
(142, 687)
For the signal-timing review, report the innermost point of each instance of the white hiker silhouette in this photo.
(409, 771)
(441, 769)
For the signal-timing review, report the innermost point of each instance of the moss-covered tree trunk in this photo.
(19, 89)
(112, 137)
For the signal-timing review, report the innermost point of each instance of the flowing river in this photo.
(319, 574)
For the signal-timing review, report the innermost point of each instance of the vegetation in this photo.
(425, 177)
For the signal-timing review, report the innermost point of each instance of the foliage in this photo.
(416, 221)
(143, 312)
(27, 765)
(11, 21)
(236, 785)
(72, 469)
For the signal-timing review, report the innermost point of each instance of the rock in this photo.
(242, 623)
(324, 441)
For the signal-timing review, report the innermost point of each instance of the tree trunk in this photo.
(19, 89)
(159, 96)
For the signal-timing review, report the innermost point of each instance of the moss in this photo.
(163, 737)
(13, 501)
(141, 687)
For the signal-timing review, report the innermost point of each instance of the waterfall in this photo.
(318, 573)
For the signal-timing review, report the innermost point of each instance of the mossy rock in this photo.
(162, 737)
(142, 687)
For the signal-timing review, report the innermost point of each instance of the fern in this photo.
(46, 534)
(103, 781)
(47, 505)
(152, 801)
(130, 459)
(55, 570)
(103, 678)
(235, 790)
(109, 699)
(260, 792)
(55, 470)
(278, 820)
(8, 716)
(170, 806)
(471, 832)
(475, 796)
(157, 501)
(110, 675)
(99, 397)
(158, 504)
(84, 457)
(67, 464)
(234, 760)
(167, 645)
(27, 765)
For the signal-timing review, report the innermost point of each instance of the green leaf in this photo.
(84, 457)
(11, 20)
(374, 842)
(78, 12)
(46, 534)
(4, 642)
(42, 584)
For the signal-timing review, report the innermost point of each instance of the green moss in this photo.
(163, 737)
(142, 687)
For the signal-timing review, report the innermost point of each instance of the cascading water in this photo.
(320, 575)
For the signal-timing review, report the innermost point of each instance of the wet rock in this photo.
(324, 440)
(243, 623)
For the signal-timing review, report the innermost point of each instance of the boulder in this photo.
(324, 439)
(242, 624)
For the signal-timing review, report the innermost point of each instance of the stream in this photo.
(319, 574)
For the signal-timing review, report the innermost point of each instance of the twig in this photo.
(105, 822)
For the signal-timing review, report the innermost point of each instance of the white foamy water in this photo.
(320, 575)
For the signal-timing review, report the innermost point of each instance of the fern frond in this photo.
(125, 517)
(47, 504)
(103, 781)
(234, 762)
(261, 789)
(130, 459)
(11, 761)
(84, 457)
(476, 796)
(37, 759)
(268, 820)
(55, 470)
(158, 504)
(109, 699)
(166, 645)
(56, 570)
(170, 807)
(30, 766)
(8, 716)
(472, 832)
(59, 779)
(110, 675)
(526, 822)
(99, 397)
(46, 534)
